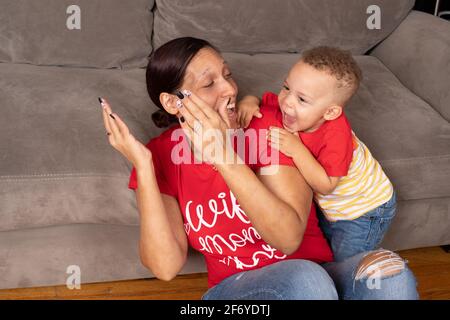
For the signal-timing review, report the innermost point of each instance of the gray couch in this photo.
(63, 189)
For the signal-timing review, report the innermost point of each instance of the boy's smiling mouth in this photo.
(288, 120)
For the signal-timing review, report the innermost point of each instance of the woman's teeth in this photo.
(230, 106)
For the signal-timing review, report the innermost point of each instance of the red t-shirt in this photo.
(332, 144)
(214, 223)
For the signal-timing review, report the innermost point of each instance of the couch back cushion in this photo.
(268, 26)
(86, 33)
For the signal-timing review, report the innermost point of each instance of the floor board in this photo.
(430, 265)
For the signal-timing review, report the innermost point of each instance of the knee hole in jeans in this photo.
(382, 263)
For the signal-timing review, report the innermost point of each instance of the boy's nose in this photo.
(288, 101)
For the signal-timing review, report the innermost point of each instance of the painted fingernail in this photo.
(179, 94)
(102, 103)
(112, 116)
(179, 104)
(187, 93)
(182, 119)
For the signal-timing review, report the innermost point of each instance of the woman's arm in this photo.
(277, 205)
(163, 244)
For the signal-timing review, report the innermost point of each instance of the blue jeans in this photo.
(350, 237)
(307, 280)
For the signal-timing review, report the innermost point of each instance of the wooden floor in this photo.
(430, 265)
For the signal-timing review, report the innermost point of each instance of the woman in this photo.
(258, 233)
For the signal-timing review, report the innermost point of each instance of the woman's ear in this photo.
(168, 102)
(332, 113)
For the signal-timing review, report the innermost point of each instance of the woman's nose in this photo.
(229, 88)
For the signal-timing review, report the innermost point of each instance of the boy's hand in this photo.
(283, 140)
(247, 108)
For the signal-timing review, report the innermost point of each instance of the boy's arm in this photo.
(313, 172)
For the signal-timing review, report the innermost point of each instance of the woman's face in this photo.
(209, 77)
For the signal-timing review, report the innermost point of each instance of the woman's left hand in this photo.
(204, 127)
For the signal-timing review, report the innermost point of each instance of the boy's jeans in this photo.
(350, 237)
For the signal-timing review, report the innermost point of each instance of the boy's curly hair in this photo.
(339, 64)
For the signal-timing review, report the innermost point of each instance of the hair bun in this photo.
(162, 119)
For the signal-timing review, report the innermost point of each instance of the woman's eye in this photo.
(228, 76)
(301, 99)
(209, 85)
(285, 87)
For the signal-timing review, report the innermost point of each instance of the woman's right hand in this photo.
(122, 140)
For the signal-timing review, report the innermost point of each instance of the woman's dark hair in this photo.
(165, 72)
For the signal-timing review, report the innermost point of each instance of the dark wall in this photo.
(429, 6)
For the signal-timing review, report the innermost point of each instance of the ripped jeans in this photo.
(374, 275)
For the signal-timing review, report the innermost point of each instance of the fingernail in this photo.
(112, 116)
(179, 94)
(187, 93)
(101, 102)
(179, 104)
(182, 119)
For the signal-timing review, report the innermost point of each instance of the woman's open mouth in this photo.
(228, 112)
(231, 109)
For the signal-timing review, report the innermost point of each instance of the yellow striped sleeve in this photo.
(365, 187)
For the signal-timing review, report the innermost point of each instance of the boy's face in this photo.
(307, 98)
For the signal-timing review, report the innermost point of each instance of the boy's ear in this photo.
(332, 113)
(168, 102)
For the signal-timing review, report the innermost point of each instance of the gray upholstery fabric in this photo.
(421, 37)
(419, 223)
(40, 256)
(113, 34)
(408, 137)
(64, 198)
(255, 26)
(54, 150)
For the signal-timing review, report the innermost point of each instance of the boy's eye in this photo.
(285, 87)
(301, 99)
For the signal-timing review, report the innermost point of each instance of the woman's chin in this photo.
(232, 118)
